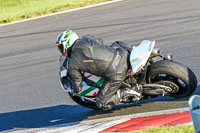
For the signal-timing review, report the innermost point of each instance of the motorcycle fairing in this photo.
(86, 89)
(140, 55)
(91, 90)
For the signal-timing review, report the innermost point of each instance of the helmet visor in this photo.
(60, 48)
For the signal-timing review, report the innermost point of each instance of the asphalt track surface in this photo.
(30, 94)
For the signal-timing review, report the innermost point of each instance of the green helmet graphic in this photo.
(65, 40)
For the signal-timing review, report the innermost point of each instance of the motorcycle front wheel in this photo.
(175, 73)
(85, 103)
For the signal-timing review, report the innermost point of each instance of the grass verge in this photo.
(12, 10)
(169, 129)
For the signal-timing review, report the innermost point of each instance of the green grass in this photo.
(169, 129)
(12, 10)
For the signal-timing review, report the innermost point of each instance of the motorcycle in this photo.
(156, 74)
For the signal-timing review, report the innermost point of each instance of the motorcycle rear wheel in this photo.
(175, 72)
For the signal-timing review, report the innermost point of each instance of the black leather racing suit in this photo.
(88, 54)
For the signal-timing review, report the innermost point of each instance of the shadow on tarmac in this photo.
(43, 117)
(61, 114)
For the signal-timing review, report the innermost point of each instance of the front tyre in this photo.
(85, 103)
(183, 77)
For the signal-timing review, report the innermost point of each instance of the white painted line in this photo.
(66, 11)
(97, 125)
(190, 123)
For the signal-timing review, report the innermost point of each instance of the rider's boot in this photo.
(135, 93)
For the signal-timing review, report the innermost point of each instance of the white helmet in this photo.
(65, 40)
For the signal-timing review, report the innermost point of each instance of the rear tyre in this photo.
(182, 76)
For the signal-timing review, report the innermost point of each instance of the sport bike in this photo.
(156, 74)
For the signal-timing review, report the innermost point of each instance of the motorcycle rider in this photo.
(89, 54)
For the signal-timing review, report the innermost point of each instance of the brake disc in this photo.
(173, 87)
